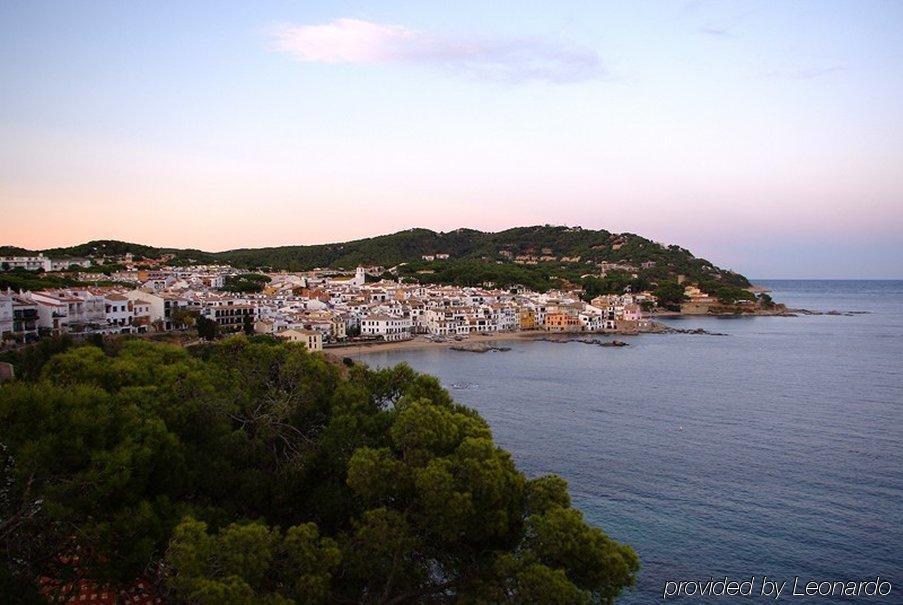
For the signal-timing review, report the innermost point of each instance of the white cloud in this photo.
(365, 42)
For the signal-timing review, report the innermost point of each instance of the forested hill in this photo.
(522, 254)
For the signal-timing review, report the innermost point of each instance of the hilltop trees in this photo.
(670, 295)
(616, 282)
(728, 295)
(491, 254)
(477, 273)
(248, 471)
(245, 282)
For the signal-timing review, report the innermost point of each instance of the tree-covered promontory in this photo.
(248, 471)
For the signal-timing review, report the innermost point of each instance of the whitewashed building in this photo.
(119, 311)
(6, 314)
(41, 262)
(388, 327)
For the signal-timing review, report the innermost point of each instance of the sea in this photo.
(773, 451)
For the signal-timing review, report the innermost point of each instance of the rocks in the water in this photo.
(702, 331)
(586, 341)
(833, 313)
(463, 386)
(603, 343)
(479, 348)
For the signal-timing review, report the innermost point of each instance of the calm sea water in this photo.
(775, 450)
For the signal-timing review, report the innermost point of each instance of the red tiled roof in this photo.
(91, 592)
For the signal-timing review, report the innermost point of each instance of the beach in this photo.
(422, 342)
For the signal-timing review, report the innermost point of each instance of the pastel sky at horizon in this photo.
(764, 136)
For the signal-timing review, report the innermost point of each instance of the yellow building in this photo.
(526, 319)
(309, 338)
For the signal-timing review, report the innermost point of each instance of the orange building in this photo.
(562, 322)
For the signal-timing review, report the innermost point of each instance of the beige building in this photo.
(309, 338)
(697, 296)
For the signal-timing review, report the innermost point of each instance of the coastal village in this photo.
(319, 308)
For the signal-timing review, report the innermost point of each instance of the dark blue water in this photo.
(776, 450)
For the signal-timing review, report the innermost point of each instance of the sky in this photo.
(764, 136)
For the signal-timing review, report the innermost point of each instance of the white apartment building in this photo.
(153, 303)
(447, 321)
(93, 308)
(119, 311)
(229, 316)
(141, 314)
(29, 263)
(6, 314)
(25, 318)
(389, 327)
(508, 318)
(59, 311)
(39, 262)
(162, 305)
(594, 321)
(59, 264)
(482, 319)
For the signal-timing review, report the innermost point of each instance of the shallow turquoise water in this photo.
(774, 450)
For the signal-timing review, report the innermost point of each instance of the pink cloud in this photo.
(365, 42)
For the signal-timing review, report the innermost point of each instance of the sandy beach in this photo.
(422, 342)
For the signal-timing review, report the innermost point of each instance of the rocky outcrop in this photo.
(796, 312)
(701, 331)
(479, 348)
(584, 340)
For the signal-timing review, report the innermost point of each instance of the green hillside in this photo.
(551, 256)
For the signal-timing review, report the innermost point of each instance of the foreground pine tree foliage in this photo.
(250, 471)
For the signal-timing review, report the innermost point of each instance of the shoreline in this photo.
(421, 342)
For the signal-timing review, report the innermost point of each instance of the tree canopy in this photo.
(670, 295)
(245, 282)
(250, 471)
